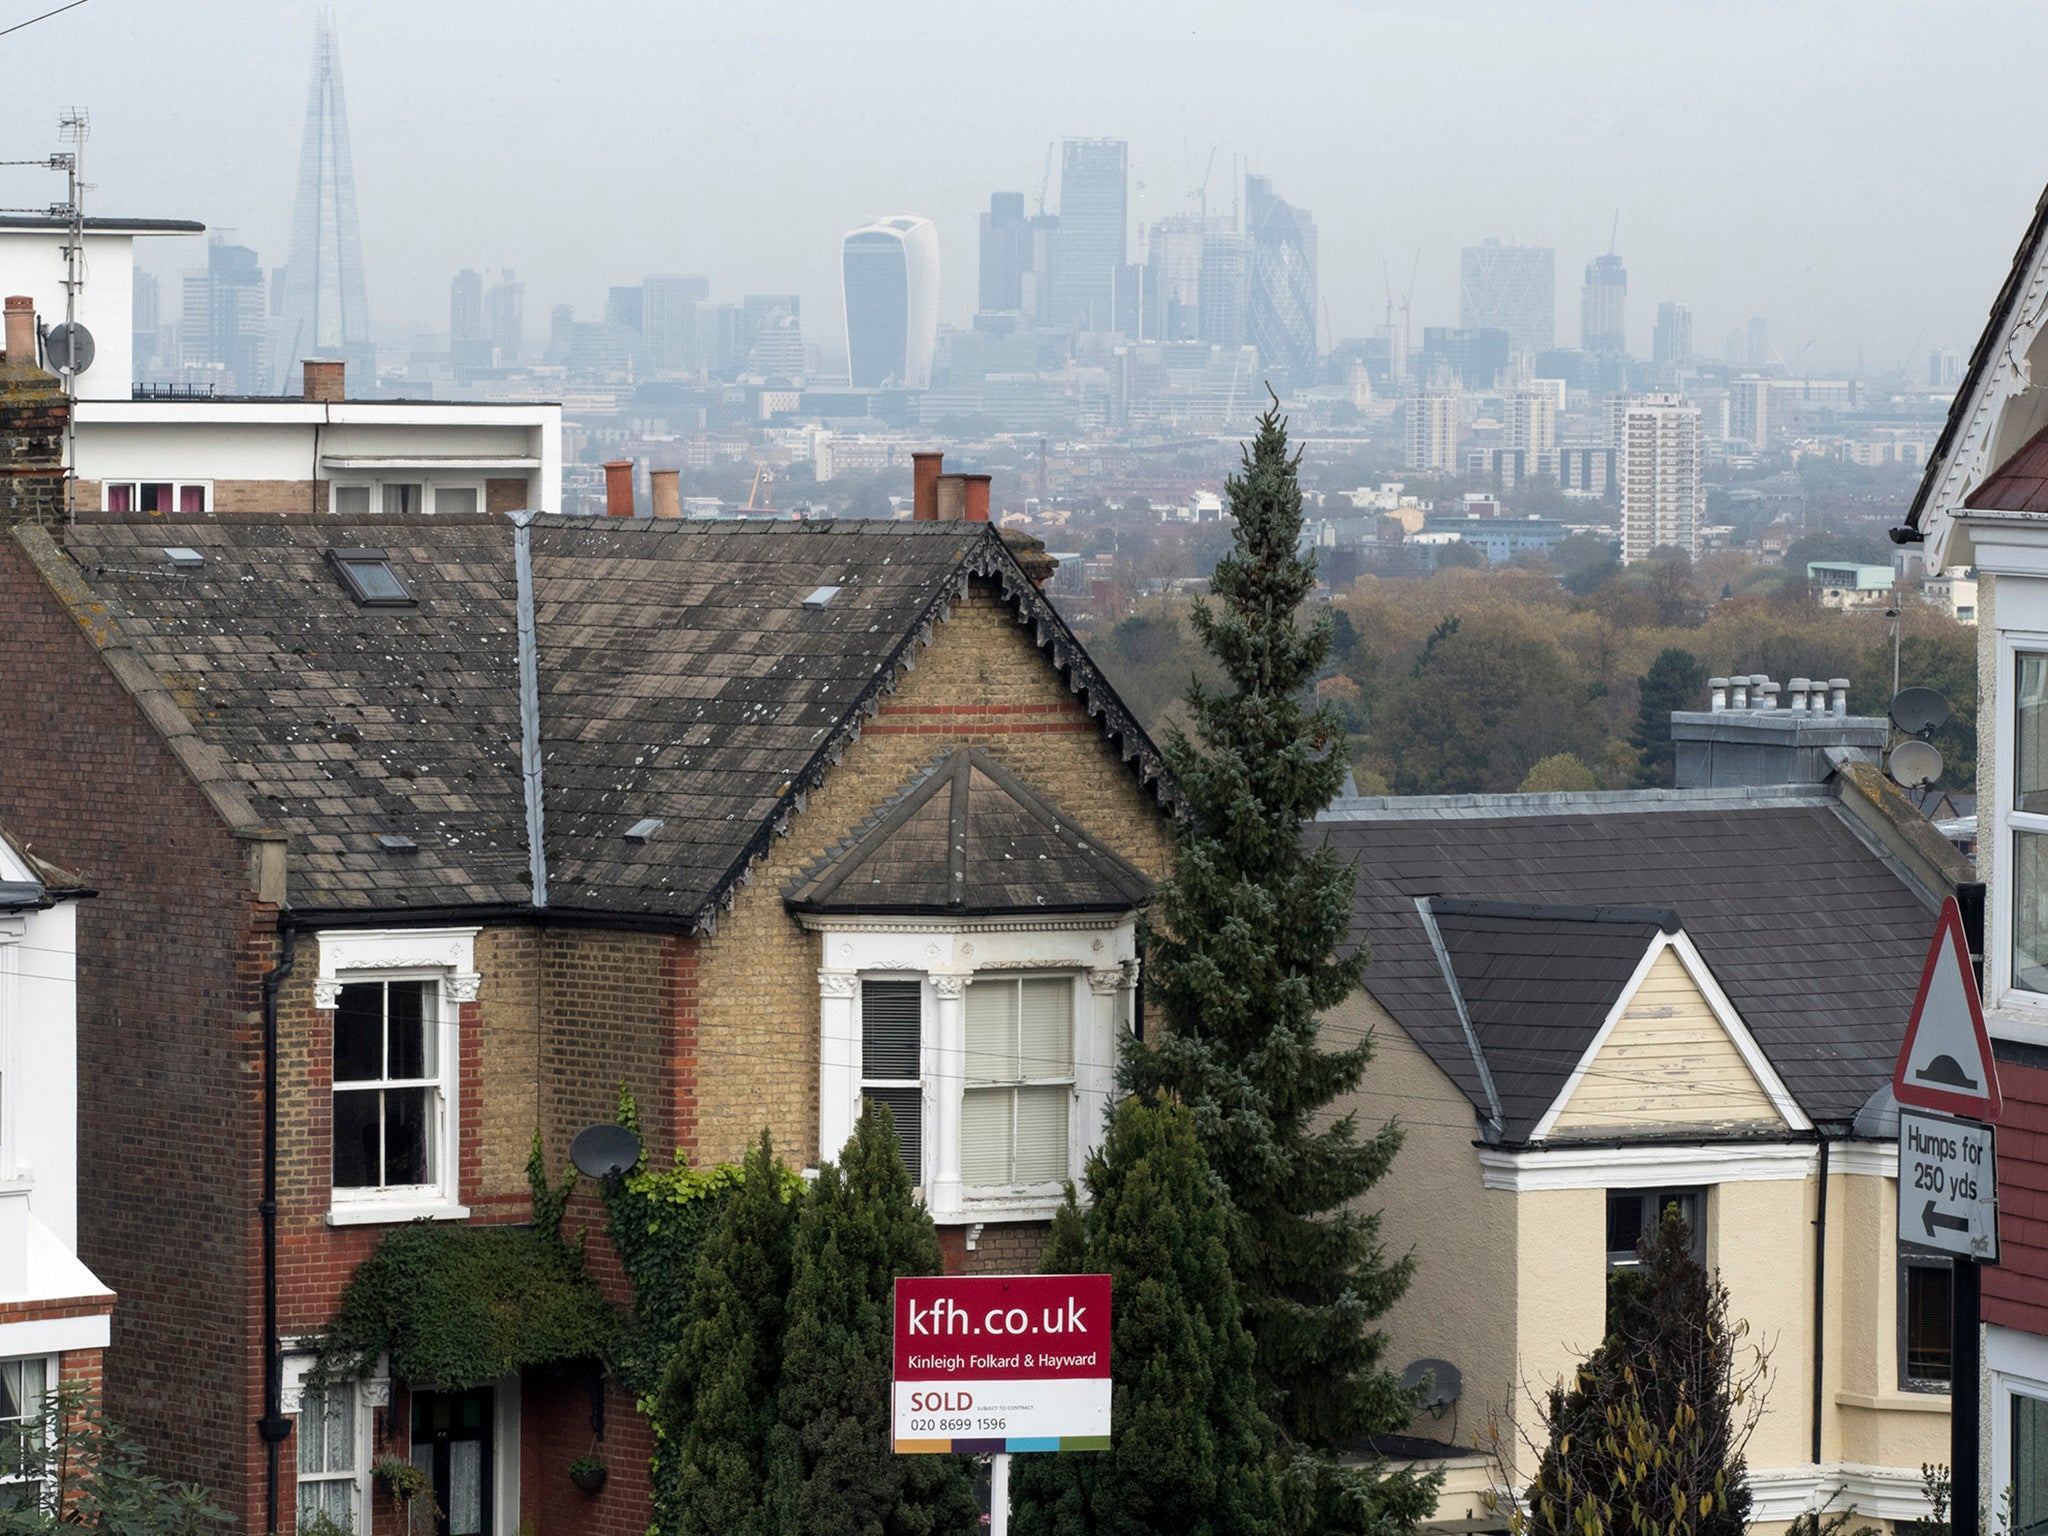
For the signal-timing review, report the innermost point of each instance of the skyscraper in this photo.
(1602, 306)
(505, 318)
(1510, 288)
(325, 312)
(1173, 277)
(668, 319)
(1221, 287)
(469, 342)
(1282, 314)
(222, 325)
(1094, 191)
(890, 276)
(1663, 478)
(1005, 253)
(148, 300)
(772, 334)
(1759, 343)
(1672, 343)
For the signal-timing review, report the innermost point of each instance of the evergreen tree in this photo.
(718, 1401)
(1650, 1437)
(1242, 959)
(1675, 681)
(1192, 1452)
(832, 1471)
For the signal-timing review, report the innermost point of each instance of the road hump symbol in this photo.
(1945, 1060)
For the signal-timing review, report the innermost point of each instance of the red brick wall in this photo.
(554, 1431)
(2016, 1288)
(1011, 1249)
(171, 955)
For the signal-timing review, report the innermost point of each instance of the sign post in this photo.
(1948, 1165)
(995, 1364)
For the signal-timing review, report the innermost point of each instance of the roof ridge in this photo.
(1666, 918)
(1584, 802)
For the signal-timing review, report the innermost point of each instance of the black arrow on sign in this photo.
(1930, 1219)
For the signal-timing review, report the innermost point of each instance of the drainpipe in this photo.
(1820, 1293)
(273, 1427)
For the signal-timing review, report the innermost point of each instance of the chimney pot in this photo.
(21, 331)
(977, 497)
(1767, 695)
(1718, 695)
(668, 493)
(325, 378)
(1738, 692)
(1838, 696)
(1796, 694)
(618, 488)
(925, 469)
(952, 498)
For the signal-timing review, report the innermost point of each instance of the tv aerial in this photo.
(605, 1151)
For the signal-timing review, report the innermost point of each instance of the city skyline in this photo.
(1734, 224)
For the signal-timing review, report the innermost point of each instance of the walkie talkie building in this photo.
(891, 270)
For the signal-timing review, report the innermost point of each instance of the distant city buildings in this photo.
(1282, 315)
(1510, 288)
(1603, 305)
(1431, 431)
(469, 339)
(1663, 478)
(1005, 253)
(224, 322)
(1671, 343)
(1223, 288)
(891, 295)
(323, 310)
(668, 320)
(1089, 257)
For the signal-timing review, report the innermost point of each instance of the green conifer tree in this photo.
(832, 1471)
(1243, 956)
(1676, 680)
(718, 1399)
(1192, 1452)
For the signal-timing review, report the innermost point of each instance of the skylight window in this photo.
(371, 581)
(643, 829)
(184, 559)
(821, 597)
(396, 842)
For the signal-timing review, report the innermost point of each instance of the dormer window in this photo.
(370, 580)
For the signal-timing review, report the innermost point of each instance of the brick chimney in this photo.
(977, 497)
(1744, 738)
(668, 493)
(21, 331)
(952, 498)
(618, 488)
(924, 485)
(326, 378)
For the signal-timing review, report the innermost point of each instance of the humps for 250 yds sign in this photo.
(1002, 1363)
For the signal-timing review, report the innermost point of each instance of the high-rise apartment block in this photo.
(891, 291)
(1663, 478)
(1093, 237)
(1603, 304)
(1510, 288)
(1282, 315)
(1671, 345)
(1529, 420)
(324, 311)
(1432, 431)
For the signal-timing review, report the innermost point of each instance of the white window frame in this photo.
(1099, 953)
(430, 491)
(1076, 1157)
(371, 1392)
(32, 1415)
(447, 958)
(136, 482)
(2017, 1364)
(436, 487)
(2028, 1009)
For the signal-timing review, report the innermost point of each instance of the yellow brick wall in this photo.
(602, 1022)
(981, 681)
(508, 959)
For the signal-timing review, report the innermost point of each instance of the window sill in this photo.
(2025, 1023)
(974, 1212)
(1895, 1402)
(372, 1213)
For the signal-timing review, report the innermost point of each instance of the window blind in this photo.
(891, 1060)
(1013, 1124)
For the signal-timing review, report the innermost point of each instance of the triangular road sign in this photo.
(1945, 1062)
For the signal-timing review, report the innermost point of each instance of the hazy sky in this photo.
(1858, 173)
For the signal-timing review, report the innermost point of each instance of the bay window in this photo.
(1019, 1082)
(2027, 818)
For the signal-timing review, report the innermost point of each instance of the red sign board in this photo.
(1945, 1061)
(1002, 1363)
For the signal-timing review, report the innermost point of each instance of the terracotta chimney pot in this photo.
(977, 497)
(325, 378)
(952, 498)
(618, 488)
(924, 485)
(668, 493)
(21, 331)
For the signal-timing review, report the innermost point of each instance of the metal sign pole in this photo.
(999, 1495)
(1965, 1498)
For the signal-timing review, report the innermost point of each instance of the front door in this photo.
(451, 1442)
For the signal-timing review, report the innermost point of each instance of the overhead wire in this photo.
(59, 11)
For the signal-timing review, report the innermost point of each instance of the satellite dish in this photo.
(1915, 764)
(605, 1151)
(1445, 1383)
(67, 348)
(1919, 710)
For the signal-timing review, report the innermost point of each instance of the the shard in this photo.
(323, 312)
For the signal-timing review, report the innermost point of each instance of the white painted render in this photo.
(32, 263)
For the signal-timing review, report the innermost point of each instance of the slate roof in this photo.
(966, 837)
(2020, 484)
(1815, 939)
(680, 675)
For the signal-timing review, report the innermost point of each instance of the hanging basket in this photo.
(588, 1473)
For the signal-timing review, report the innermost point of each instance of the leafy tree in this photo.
(1459, 555)
(1676, 680)
(1583, 562)
(1243, 946)
(1558, 774)
(1650, 1439)
(718, 1399)
(71, 1470)
(1192, 1451)
(832, 1471)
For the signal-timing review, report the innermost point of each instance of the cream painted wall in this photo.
(1871, 1421)
(1760, 1240)
(1561, 1295)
